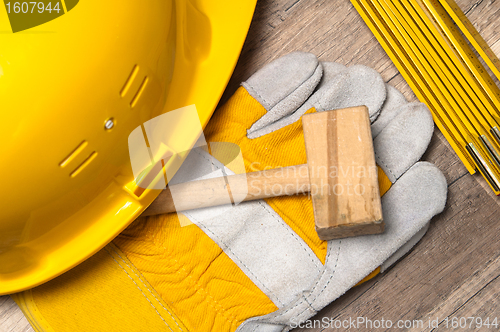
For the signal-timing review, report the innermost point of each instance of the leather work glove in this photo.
(256, 266)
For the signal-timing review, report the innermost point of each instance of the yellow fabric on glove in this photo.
(164, 277)
(75, 301)
(281, 148)
(191, 273)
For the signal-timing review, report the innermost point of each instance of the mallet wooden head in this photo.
(342, 173)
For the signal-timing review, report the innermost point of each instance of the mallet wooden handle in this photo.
(217, 191)
(340, 175)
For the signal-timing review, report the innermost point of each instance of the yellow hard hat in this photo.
(72, 90)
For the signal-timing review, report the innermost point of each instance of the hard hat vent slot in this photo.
(84, 164)
(139, 92)
(130, 80)
(73, 154)
(134, 87)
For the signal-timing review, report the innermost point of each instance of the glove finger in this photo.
(419, 194)
(283, 85)
(404, 249)
(404, 140)
(341, 87)
(330, 70)
(408, 206)
(391, 108)
(356, 86)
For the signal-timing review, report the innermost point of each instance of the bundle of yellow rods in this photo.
(444, 72)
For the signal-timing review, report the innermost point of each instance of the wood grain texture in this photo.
(452, 271)
(231, 189)
(11, 317)
(342, 172)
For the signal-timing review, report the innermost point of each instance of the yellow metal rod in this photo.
(459, 69)
(472, 35)
(467, 105)
(423, 55)
(436, 66)
(484, 86)
(420, 61)
(414, 79)
(434, 75)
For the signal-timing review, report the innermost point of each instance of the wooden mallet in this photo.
(340, 175)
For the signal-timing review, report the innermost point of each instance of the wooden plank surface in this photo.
(11, 317)
(453, 271)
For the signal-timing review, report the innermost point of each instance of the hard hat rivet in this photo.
(109, 124)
